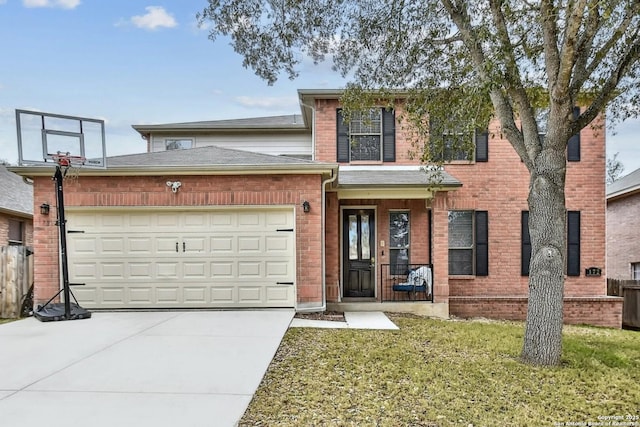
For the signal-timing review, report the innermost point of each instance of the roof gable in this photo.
(16, 195)
(627, 184)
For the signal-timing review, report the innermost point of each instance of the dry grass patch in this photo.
(443, 373)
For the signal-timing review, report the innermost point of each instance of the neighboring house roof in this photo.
(195, 161)
(625, 186)
(289, 122)
(396, 178)
(16, 197)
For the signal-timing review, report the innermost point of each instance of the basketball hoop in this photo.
(69, 164)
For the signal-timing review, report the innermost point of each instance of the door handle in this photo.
(184, 247)
(176, 246)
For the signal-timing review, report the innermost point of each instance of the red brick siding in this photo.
(623, 248)
(499, 186)
(597, 311)
(255, 190)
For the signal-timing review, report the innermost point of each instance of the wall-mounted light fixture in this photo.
(44, 209)
(174, 185)
(306, 206)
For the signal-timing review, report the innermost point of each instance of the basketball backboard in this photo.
(43, 136)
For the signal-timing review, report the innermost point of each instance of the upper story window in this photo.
(369, 136)
(365, 130)
(459, 145)
(178, 144)
(16, 232)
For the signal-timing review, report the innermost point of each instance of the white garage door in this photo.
(192, 259)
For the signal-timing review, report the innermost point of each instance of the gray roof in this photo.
(627, 184)
(204, 156)
(395, 178)
(16, 196)
(286, 122)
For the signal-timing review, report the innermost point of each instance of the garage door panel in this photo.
(195, 295)
(195, 270)
(167, 294)
(223, 294)
(222, 244)
(141, 295)
(141, 270)
(222, 269)
(194, 244)
(167, 270)
(113, 295)
(249, 244)
(140, 245)
(224, 258)
(167, 245)
(84, 245)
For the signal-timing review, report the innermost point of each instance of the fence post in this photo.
(14, 279)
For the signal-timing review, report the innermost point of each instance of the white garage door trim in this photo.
(183, 258)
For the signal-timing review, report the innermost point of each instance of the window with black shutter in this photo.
(573, 243)
(573, 146)
(368, 136)
(525, 258)
(468, 243)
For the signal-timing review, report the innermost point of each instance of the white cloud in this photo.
(155, 17)
(268, 102)
(63, 4)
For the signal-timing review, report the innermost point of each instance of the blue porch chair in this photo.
(418, 280)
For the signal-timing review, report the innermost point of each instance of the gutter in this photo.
(323, 262)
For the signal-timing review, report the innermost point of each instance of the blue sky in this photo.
(145, 61)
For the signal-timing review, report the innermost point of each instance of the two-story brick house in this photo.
(309, 211)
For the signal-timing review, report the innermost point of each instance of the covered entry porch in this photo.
(390, 243)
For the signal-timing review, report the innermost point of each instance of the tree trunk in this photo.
(547, 225)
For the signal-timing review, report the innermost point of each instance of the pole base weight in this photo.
(56, 312)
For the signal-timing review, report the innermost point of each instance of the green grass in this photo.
(445, 373)
(6, 320)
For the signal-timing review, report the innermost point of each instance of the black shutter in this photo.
(573, 243)
(573, 146)
(482, 243)
(342, 138)
(525, 258)
(388, 135)
(435, 141)
(482, 146)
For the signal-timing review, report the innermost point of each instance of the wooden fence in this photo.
(630, 291)
(16, 277)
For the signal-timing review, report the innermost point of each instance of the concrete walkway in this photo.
(353, 320)
(136, 369)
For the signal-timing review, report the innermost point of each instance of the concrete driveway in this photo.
(136, 369)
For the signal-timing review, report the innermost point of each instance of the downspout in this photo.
(313, 127)
(323, 262)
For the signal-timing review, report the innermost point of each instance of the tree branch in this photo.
(568, 52)
(548, 17)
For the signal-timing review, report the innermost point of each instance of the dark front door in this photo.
(359, 252)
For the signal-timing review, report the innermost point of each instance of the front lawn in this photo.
(447, 373)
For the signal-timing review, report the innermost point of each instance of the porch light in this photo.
(44, 209)
(306, 206)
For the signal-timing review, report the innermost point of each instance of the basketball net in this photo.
(69, 164)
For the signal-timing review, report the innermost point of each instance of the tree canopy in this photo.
(460, 61)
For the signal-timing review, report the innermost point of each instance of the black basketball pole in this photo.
(62, 227)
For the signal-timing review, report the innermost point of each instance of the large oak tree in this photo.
(518, 57)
